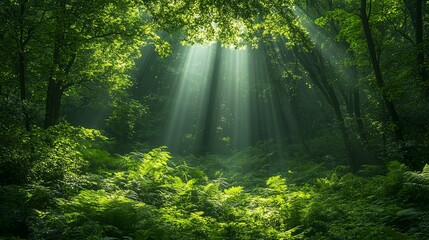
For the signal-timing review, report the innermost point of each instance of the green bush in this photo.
(154, 196)
(95, 215)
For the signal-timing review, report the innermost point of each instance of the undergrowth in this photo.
(253, 194)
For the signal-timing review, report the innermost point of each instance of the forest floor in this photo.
(253, 194)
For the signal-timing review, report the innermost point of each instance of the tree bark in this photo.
(55, 83)
(53, 103)
(55, 91)
(390, 107)
(357, 107)
(353, 161)
(415, 9)
(419, 40)
(23, 88)
(420, 56)
(22, 65)
(358, 117)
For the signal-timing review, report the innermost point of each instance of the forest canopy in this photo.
(202, 119)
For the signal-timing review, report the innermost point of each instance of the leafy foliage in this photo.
(154, 196)
(124, 120)
(352, 76)
(416, 186)
(47, 155)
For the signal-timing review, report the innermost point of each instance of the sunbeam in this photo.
(331, 50)
(266, 111)
(233, 127)
(188, 97)
(213, 108)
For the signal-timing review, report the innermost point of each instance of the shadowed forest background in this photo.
(162, 119)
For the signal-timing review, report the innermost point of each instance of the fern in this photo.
(277, 183)
(416, 186)
(95, 214)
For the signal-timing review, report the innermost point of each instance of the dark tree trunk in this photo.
(353, 161)
(415, 9)
(356, 107)
(23, 88)
(22, 65)
(358, 117)
(390, 107)
(53, 103)
(58, 71)
(352, 96)
(423, 75)
(55, 92)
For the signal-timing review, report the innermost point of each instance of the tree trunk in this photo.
(23, 88)
(55, 84)
(55, 91)
(420, 56)
(53, 103)
(358, 117)
(419, 40)
(22, 66)
(352, 97)
(390, 107)
(356, 107)
(415, 9)
(353, 161)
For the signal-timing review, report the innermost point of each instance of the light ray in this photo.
(187, 102)
(331, 50)
(223, 101)
(234, 98)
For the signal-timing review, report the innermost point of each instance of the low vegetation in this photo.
(253, 194)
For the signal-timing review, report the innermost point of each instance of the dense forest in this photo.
(214, 119)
